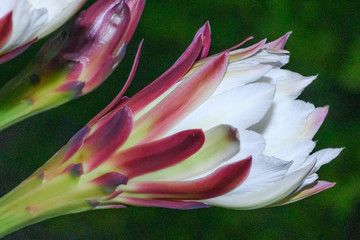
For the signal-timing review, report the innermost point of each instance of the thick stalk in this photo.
(34, 201)
(29, 94)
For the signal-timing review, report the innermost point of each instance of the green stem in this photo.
(10, 222)
(22, 215)
(22, 97)
(34, 201)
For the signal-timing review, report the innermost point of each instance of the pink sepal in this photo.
(75, 143)
(246, 52)
(240, 44)
(119, 99)
(136, 8)
(113, 206)
(162, 203)
(170, 77)
(278, 44)
(206, 35)
(121, 103)
(190, 94)
(204, 60)
(109, 64)
(221, 181)
(111, 132)
(156, 155)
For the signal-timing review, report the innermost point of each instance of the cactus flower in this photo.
(224, 130)
(72, 63)
(22, 22)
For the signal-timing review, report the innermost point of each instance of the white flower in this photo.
(226, 130)
(247, 90)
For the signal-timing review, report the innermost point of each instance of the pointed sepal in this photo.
(153, 156)
(221, 181)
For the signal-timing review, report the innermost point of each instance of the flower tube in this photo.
(224, 130)
(72, 63)
(22, 22)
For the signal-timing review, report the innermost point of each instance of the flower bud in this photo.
(73, 63)
(22, 22)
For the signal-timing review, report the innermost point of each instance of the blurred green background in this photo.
(325, 41)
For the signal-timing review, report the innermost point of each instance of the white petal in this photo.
(285, 121)
(239, 74)
(269, 195)
(240, 107)
(324, 156)
(313, 122)
(6, 6)
(36, 18)
(251, 143)
(26, 23)
(321, 157)
(296, 151)
(309, 180)
(264, 171)
(268, 57)
(288, 84)
(58, 12)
